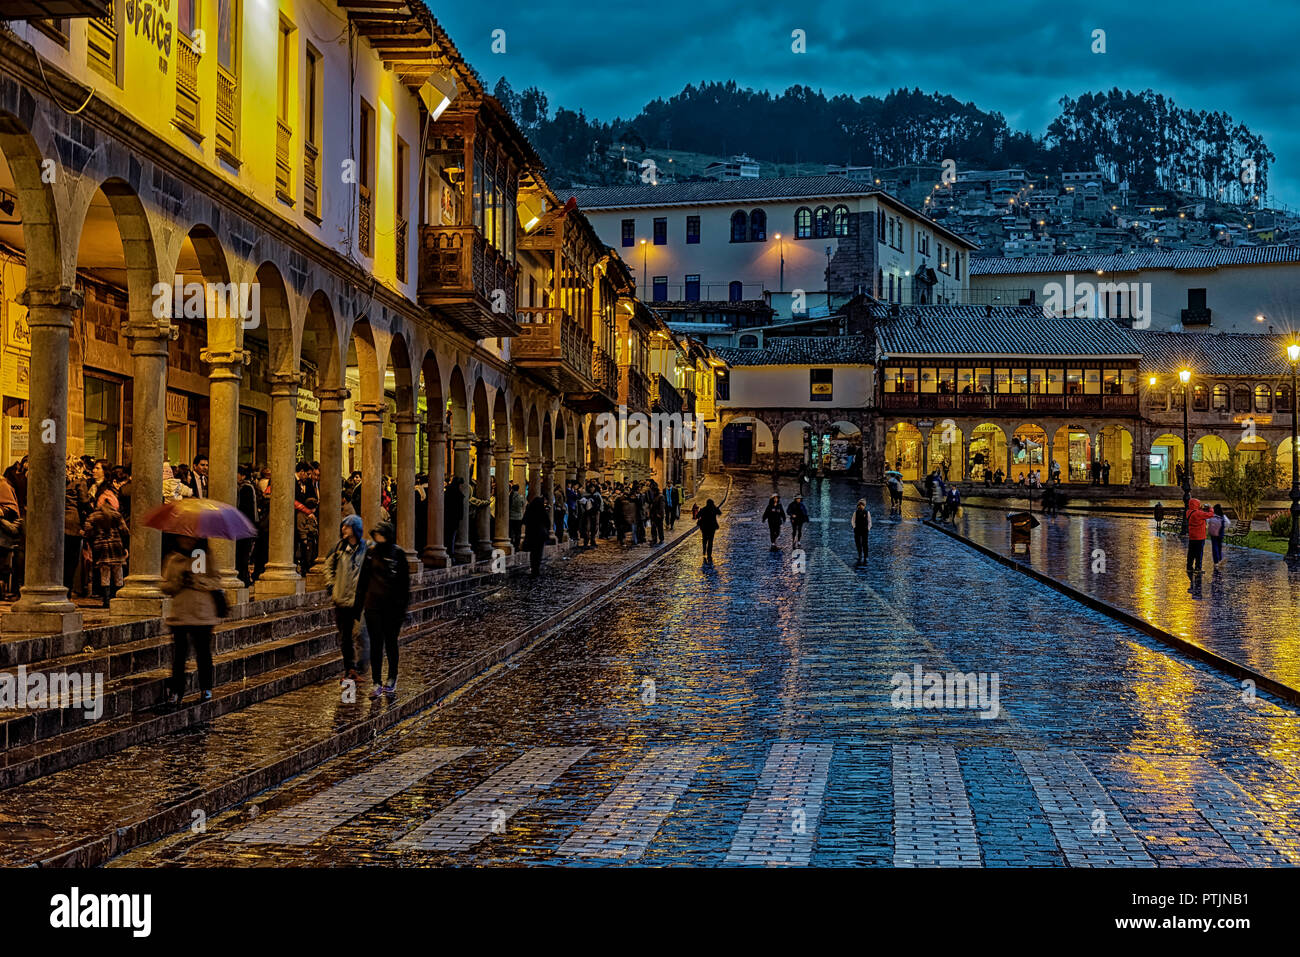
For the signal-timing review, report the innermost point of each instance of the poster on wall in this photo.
(16, 438)
(15, 375)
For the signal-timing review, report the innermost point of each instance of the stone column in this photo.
(460, 464)
(483, 490)
(372, 449)
(331, 479)
(225, 371)
(548, 497)
(44, 606)
(406, 429)
(501, 533)
(140, 594)
(436, 551)
(280, 577)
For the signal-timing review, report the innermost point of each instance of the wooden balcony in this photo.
(311, 180)
(283, 166)
(604, 373)
(634, 390)
(188, 101)
(552, 344)
(664, 397)
(468, 280)
(365, 220)
(979, 403)
(227, 107)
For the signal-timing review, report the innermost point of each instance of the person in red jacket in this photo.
(1196, 516)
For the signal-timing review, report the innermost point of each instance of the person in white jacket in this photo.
(861, 522)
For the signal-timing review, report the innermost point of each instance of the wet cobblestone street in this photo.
(746, 713)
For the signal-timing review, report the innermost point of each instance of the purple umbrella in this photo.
(201, 518)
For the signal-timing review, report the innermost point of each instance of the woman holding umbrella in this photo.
(197, 601)
(894, 479)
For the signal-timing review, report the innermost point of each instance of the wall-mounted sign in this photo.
(178, 407)
(1257, 419)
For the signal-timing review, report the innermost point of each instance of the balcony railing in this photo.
(1035, 402)
(401, 250)
(188, 103)
(311, 179)
(549, 337)
(464, 276)
(688, 401)
(364, 220)
(604, 372)
(664, 396)
(227, 126)
(636, 394)
(283, 168)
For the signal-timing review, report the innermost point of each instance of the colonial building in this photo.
(797, 401)
(263, 232)
(1246, 289)
(1240, 395)
(803, 244)
(977, 391)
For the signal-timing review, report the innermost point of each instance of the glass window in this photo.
(692, 288)
(1263, 399)
(757, 226)
(840, 220)
(1019, 381)
(739, 226)
(822, 222)
(1200, 398)
(735, 292)
(1219, 398)
(629, 232)
(966, 381)
(1055, 382)
(692, 230)
(102, 417)
(1158, 398)
(1073, 381)
(661, 289)
(929, 381)
(1110, 382)
(803, 223)
(1037, 381)
(947, 381)
(1130, 377)
(1002, 381)
(227, 25)
(905, 380)
(984, 381)
(1092, 382)
(1241, 399)
(661, 231)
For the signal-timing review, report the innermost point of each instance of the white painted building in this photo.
(767, 238)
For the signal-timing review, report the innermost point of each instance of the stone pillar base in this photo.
(435, 556)
(41, 622)
(413, 563)
(463, 554)
(316, 577)
(482, 550)
(137, 607)
(504, 544)
(278, 583)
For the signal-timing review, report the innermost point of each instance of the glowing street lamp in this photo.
(781, 244)
(1185, 376)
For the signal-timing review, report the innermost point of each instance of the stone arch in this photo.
(35, 206)
(1115, 445)
(986, 451)
(201, 258)
(399, 360)
(1205, 451)
(276, 320)
(945, 446)
(904, 451)
(747, 440)
(363, 355)
(1166, 454)
(1284, 463)
(320, 341)
(1073, 451)
(125, 211)
(1028, 450)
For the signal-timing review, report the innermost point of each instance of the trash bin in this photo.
(1021, 524)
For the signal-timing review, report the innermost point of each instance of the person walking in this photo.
(342, 575)
(1216, 526)
(197, 605)
(627, 515)
(246, 500)
(669, 512)
(536, 524)
(1159, 513)
(76, 509)
(707, 520)
(453, 510)
(774, 515)
(383, 593)
(1196, 518)
(658, 507)
(679, 499)
(104, 532)
(861, 523)
(798, 519)
(937, 497)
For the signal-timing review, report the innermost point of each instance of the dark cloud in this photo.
(1017, 58)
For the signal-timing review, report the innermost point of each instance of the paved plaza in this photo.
(931, 709)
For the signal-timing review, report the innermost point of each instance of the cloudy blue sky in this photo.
(1017, 58)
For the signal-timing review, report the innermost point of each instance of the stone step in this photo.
(38, 742)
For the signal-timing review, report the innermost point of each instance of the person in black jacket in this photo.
(774, 515)
(798, 519)
(537, 522)
(707, 520)
(383, 592)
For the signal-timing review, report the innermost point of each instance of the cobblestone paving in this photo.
(1247, 609)
(709, 703)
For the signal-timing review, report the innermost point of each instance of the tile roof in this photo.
(1225, 353)
(669, 194)
(801, 351)
(1206, 257)
(1008, 331)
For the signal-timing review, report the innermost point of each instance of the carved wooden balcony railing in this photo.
(1014, 403)
(188, 103)
(550, 342)
(365, 221)
(311, 180)
(664, 396)
(604, 372)
(468, 280)
(227, 124)
(283, 166)
(635, 393)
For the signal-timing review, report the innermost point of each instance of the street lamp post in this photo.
(1293, 546)
(1185, 376)
(781, 243)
